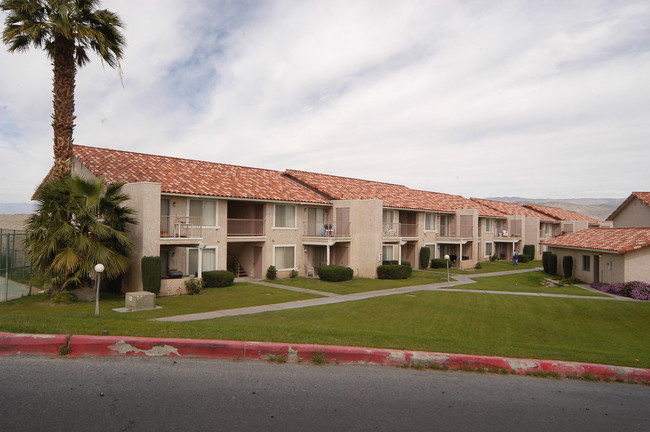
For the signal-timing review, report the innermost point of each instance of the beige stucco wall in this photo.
(367, 235)
(611, 265)
(634, 214)
(637, 265)
(144, 198)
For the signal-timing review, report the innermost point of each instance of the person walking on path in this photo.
(515, 258)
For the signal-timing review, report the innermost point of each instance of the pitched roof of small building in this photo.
(514, 209)
(561, 214)
(619, 240)
(392, 195)
(644, 197)
(185, 176)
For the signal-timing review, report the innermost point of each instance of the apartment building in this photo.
(199, 216)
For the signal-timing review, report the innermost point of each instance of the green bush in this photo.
(394, 271)
(217, 278)
(425, 257)
(438, 263)
(545, 256)
(193, 285)
(567, 266)
(64, 297)
(529, 251)
(272, 273)
(151, 274)
(478, 266)
(523, 258)
(293, 274)
(552, 264)
(333, 273)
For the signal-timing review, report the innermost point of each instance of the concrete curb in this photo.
(81, 345)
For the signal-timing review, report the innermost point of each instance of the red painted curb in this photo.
(41, 344)
(200, 348)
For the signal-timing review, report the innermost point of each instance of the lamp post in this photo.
(99, 268)
(447, 258)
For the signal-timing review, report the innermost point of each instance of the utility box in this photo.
(140, 300)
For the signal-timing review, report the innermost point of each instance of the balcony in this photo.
(180, 227)
(327, 231)
(245, 227)
(397, 230)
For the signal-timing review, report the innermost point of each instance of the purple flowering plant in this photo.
(634, 289)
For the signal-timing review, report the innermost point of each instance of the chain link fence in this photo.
(15, 268)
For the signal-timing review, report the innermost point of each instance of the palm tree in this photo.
(66, 30)
(79, 223)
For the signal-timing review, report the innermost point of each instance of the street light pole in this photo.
(447, 258)
(99, 268)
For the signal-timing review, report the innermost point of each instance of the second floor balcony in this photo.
(245, 227)
(327, 230)
(396, 229)
(180, 227)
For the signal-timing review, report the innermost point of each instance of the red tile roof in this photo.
(514, 209)
(184, 176)
(644, 197)
(619, 240)
(392, 195)
(561, 214)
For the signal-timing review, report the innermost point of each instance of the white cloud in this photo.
(539, 99)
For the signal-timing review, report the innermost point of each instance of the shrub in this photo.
(334, 273)
(151, 273)
(425, 257)
(552, 264)
(438, 263)
(394, 271)
(217, 278)
(634, 289)
(193, 285)
(293, 274)
(523, 258)
(272, 273)
(64, 297)
(478, 266)
(545, 256)
(567, 266)
(529, 251)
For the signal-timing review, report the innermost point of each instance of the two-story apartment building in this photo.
(199, 216)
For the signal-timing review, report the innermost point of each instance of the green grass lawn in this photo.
(527, 282)
(587, 329)
(357, 285)
(495, 266)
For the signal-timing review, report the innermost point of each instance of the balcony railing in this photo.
(245, 227)
(328, 229)
(180, 227)
(447, 230)
(397, 229)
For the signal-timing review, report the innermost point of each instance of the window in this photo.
(445, 225)
(387, 253)
(204, 209)
(489, 249)
(488, 226)
(429, 222)
(285, 216)
(586, 263)
(285, 257)
(432, 248)
(209, 260)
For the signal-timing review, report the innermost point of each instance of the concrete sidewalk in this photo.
(329, 298)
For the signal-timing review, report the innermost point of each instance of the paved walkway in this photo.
(329, 298)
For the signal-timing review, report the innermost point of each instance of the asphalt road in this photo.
(165, 394)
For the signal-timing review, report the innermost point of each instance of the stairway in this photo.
(235, 266)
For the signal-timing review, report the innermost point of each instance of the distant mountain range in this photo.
(17, 208)
(597, 208)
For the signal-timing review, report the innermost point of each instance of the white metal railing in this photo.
(180, 226)
(327, 229)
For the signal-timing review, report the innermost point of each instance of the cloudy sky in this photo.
(541, 99)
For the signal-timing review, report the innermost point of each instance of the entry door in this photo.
(596, 268)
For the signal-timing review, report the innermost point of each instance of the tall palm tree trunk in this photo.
(65, 71)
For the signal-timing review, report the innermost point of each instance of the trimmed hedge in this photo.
(151, 273)
(425, 257)
(552, 264)
(567, 266)
(438, 263)
(217, 278)
(545, 256)
(394, 271)
(529, 251)
(334, 273)
(272, 273)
